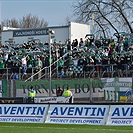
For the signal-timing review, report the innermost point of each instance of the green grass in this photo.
(61, 128)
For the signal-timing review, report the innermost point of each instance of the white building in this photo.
(71, 31)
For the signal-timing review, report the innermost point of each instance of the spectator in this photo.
(75, 61)
(60, 65)
(75, 44)
(24, 63)
(91, 38)
(98, 43)
(67, 72)
(68, 45)
(62, 74)
(59, 91)
(90, 65)
(98, 65)
(61, 51)
(119, 66)
(2, 66)
(81, 43)
(30, 62)
(38, 66)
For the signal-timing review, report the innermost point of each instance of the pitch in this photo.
(61, 128)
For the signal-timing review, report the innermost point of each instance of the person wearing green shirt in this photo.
(60, 65)
(38, 65)
(2, 66)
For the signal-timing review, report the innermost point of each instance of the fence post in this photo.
(91, 93)
(11, 88)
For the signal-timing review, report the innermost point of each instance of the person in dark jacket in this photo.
(59, 92)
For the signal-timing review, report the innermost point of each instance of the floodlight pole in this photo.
(50, 64)
(50, 71)
(91, 93)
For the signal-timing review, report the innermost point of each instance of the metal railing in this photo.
(92, 72)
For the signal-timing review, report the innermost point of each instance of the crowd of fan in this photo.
(81, 56)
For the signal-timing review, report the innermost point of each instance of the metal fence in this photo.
(95, 71)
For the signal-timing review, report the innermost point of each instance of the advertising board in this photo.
(120, 115)
(52, 100)
(78, 114)
(23, 113)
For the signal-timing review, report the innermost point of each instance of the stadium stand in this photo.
(91, 57)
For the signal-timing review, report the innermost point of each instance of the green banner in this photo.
(79, 87)
(75, 83)
(107, 88)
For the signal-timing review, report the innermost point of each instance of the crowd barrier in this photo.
(93, 114)
(12, 100)
(100, 71)
(21, 100)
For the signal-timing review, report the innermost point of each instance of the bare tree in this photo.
(28, 21)
(68, 20)
(0, 27)
(110, 16)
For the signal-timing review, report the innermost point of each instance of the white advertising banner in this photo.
(120, 115)
(52, 100)
(23, 113)
(115, 87)
(117, 84)
(78, 114)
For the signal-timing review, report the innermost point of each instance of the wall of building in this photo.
(72, 31)
(5, 36)
(61, 34)
(78, 31)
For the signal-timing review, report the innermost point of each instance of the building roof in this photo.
(51, 27)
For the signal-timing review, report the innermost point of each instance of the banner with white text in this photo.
(52, 100)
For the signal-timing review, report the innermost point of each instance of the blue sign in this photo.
(30, 32)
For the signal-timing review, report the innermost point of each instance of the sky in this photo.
(54, 12)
